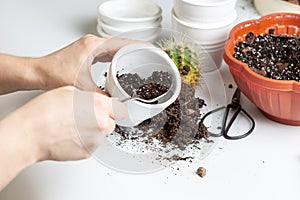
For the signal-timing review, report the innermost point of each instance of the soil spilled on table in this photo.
(177, 127)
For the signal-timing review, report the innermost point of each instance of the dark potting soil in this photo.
(147, 88)
(270, 55)
(178, 124)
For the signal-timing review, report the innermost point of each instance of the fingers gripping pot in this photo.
(142, 59)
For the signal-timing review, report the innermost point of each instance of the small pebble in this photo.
(201, 171)
(250, 38)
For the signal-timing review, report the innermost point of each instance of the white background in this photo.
(266, 165)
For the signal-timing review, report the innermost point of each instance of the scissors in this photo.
(237, 109)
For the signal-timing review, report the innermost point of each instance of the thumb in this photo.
(113, 108)
(119, 109)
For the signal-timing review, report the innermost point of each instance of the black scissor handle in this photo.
(226, 127)
(210, 113)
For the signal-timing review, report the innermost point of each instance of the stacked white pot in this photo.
(206, 22)
(134, 19)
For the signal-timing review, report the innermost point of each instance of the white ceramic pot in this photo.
(101, 32)
(142, 35)
(204, 10)
(204, 33)
(211, 47)
(142, 59)
(217, 56)
(115, 31)
(124, 13)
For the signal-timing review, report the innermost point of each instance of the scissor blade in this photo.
(236, 97)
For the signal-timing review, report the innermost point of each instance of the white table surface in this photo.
(266, 165)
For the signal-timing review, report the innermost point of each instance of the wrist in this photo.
(18, 73)
(49, 73)
(36, 74)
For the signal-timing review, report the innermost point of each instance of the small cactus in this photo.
(185, 56)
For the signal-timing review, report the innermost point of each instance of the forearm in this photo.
(19, 73)
(69, 66)
(16, 152)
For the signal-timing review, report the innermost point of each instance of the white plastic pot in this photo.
(204, 33)
(204, 10)
(143, 60)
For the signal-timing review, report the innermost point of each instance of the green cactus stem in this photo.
(185, 56)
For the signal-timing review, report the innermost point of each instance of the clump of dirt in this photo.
(201, 171)
(178, 125)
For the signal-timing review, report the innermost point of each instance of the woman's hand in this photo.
(62, 124)
(69, 66)
(59, 122)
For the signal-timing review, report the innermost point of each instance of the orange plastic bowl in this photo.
(279, 100)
